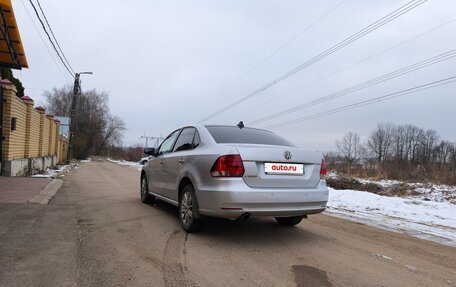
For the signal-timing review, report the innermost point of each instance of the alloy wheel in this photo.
(143, 189)
(186, 211)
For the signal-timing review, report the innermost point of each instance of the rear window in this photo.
(226, 134)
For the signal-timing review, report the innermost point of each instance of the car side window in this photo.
(168, 143)
(185, 140)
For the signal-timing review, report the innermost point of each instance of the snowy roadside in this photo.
(55, 172)
(423, 191)
(61, 169)
(431, 220)
(130, 164)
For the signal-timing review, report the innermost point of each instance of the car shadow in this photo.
(253, 230)
(256, 230)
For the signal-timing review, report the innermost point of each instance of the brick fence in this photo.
(31, 139)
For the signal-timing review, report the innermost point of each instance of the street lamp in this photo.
(74, 104)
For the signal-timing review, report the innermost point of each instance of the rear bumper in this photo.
(234, 198)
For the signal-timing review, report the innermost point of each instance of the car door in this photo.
(155, 167)
(174, 162)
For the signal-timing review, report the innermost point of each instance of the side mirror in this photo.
(149, 151)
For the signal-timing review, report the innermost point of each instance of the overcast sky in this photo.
(164, 63)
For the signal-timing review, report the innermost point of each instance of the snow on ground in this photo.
(382, 183)
(424, 191)
(130, 164)
(86, 160)
(435, 192)
(54, 172)
(429, 220)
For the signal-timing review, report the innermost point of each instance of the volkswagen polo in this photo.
(234, 172)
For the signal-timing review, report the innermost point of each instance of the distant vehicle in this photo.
(232, 172)
(144, 160)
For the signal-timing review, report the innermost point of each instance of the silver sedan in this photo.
(234, 172)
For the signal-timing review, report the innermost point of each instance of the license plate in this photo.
(283, 168)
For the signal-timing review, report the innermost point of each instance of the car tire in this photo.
(145, 196)
(288, 221)
(188, 210)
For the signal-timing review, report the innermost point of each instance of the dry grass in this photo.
(351, 183)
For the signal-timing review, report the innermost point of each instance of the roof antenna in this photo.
(240, 124)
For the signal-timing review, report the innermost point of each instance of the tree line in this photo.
(404, 152)
(96, 128)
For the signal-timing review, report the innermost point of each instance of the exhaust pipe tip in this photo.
(244, 216)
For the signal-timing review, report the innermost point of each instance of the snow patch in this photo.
(384, 256)
(130, 164)
(53, 173)
(382, 183)
(430, 220)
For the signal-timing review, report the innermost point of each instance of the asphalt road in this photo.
(96, 232)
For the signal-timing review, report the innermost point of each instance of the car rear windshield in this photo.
(226, 134)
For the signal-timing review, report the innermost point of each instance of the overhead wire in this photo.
(53, 36)
(50, 39)
(44, 43)
(257, 106)
(368, 29)
(281, 47)
(386, 77)
(368, 102)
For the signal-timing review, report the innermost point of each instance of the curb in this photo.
(46, 194)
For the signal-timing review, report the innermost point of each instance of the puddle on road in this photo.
(307, 276)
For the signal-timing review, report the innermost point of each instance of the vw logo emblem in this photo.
(287, 155)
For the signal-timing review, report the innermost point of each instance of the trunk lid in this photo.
(269, 166)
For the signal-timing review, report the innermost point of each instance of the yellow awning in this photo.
(12, 53)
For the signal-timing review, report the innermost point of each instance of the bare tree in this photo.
(399, 143)
(405, 152)
(96, 127)
(452, 161)
(113, 133)
(59, 101)
(380, 141)
(442, 153)
(350, 148)
(428, 141)
(412, 141)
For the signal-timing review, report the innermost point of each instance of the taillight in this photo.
(228, 166)
(323, 168)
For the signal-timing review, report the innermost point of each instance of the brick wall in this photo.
(36, 134)
(52, 133)
(14, 140)
(45, 137)
(34, 144)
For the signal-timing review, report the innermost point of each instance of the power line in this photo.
(345, 68)
(370, 101)
(284, 45)
(44, 43)
(397, 73)
(156, 140)
(28, 88)
(370, 28)
(52, 32)
(50, 40)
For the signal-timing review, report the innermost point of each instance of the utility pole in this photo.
(74, 105)
(157, 140)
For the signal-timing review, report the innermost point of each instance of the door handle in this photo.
(181, 161)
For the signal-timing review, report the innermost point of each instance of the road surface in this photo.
(96, 232)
